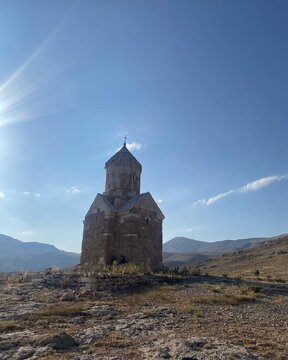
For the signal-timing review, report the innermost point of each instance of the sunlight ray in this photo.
(32, 57)
(22, 116)
(20, 97)
(20, 70)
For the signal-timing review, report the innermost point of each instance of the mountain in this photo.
(17, 255)
(270, 258)
(183, 245)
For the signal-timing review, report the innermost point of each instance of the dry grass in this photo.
(113, 341)
(7, 325)
(280, 299)
(151, 296)
(120, 347)
(128, 268)
(65, 310)
(225, 299)
(196, 311)
(166, 295)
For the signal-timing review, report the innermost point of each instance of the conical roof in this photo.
(123, 157)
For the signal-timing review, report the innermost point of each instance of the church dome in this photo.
(123, 157)
(123, 173)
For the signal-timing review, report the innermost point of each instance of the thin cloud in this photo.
(31, 194)
(218, 197)
(159, 201)
(251, 186)
(213, 199)
(26, 233)
(73, 190)
(193, 228)
(200, 202)
(2, 195)
(134, 146)
(261, 183)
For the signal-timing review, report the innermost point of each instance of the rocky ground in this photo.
(200, 318)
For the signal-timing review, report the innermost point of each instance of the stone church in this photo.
(123, 224)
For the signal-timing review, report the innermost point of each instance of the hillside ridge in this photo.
(187, 245)
(267, 260)
(180, 251)
(17, 255)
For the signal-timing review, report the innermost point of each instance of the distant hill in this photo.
(183, 245)
(173, 260)
(269, 258)
(181, 251)
(16, 255)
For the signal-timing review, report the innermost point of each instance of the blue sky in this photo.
(199, 87)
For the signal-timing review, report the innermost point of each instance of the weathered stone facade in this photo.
(122, 223)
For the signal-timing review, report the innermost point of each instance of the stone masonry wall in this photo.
(113, 282)
(136, 234)
(139, 238)
(97, 239)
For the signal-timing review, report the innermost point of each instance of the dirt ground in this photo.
(200, 318)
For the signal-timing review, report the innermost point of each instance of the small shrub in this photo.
(175, 271)
(245, 288)
(148, 312)
(256, 289)
(187, 270)
(196, 272)
(280, 281)
(196, 311)
(165, 270)
(217, 291)
(184, 271)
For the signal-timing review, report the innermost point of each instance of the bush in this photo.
(129, 268)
